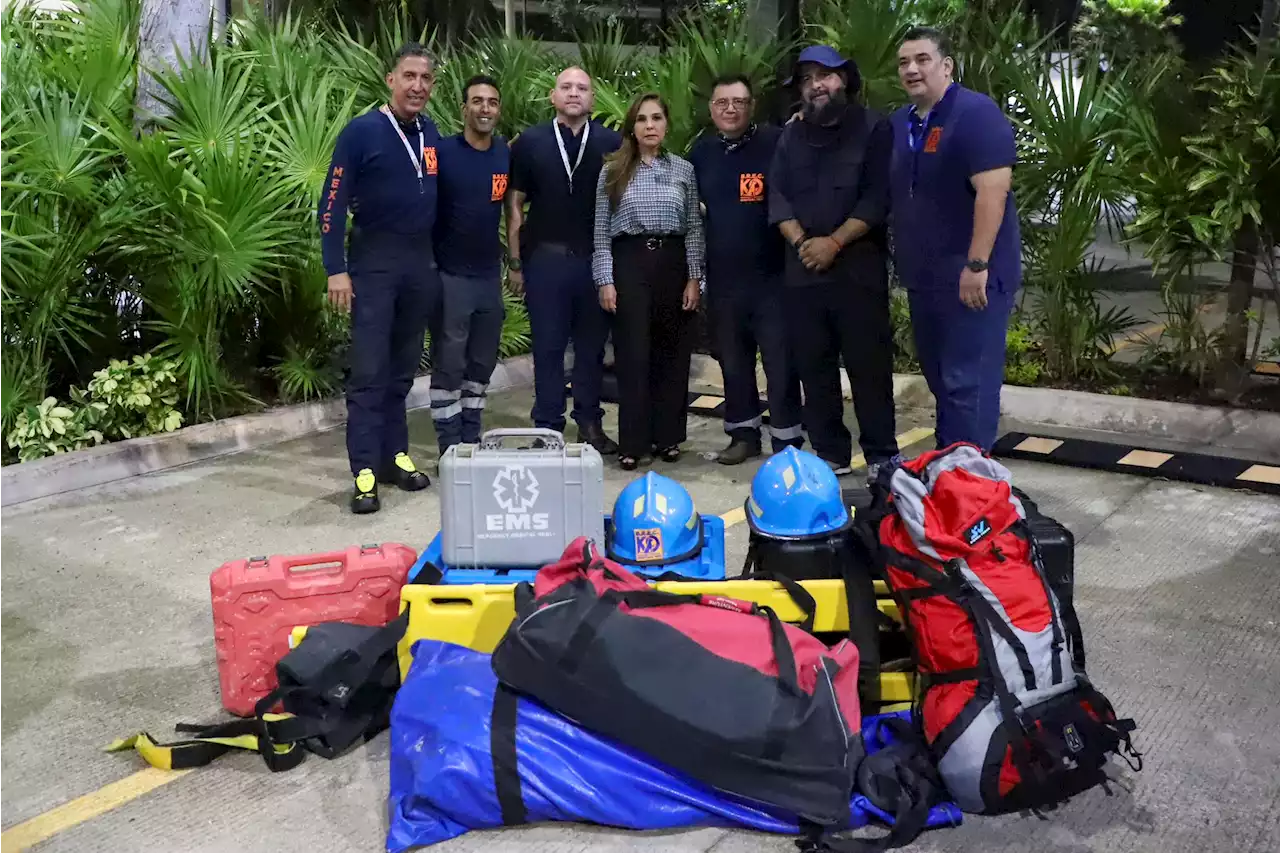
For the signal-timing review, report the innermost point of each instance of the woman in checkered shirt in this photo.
(648, 268)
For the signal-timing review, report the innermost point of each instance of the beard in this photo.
(829, 109)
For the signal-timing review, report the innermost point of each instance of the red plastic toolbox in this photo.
(258, 601)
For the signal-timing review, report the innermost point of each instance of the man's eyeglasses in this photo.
(738, 103)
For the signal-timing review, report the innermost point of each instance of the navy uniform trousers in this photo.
(396, 293)
(464, 352)
(746, 315)
(962, 355)
(564, 306)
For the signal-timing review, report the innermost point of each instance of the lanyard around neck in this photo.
(414, 158)
(564, 154)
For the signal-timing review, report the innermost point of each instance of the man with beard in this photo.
(473, 186)
(744, 271)
(829, 196)
(384, 170)
(956, 238)
(555, 167)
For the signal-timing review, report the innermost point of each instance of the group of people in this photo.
(784, 230)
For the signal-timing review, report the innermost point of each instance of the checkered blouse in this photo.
(662, 198)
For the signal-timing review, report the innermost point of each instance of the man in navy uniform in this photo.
(473, 187)
(555, 167)
(956, 236)
(829, 197)
(744, 273)
(384, 169)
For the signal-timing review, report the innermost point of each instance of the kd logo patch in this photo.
(649, 544)
(499, 188)
(429, 158)
(750, 187)
(931, 142)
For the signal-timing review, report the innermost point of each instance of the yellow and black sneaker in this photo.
(404, 473)
(365, 497)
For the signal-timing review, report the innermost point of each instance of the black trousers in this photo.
(746, 315)
(464, 354)
(846, 319)
(396, 293)
(652, 343)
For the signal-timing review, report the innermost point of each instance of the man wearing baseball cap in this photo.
(829, 196)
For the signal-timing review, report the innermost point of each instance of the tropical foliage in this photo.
(195, 243)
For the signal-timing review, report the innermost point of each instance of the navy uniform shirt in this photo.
(732, 180)
(372, 174)
(472, 186)
(556, 214)
(934, 157)
(824, 175)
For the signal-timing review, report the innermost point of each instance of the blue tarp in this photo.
(442, 777)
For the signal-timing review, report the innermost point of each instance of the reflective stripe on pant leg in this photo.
(783, 382)
(729, 305)
(445, 404)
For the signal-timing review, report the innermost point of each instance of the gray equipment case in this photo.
(513, 507)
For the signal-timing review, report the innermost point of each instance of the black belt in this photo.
(651, 242)
(563, 249)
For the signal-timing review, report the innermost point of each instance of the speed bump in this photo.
(1200, 468)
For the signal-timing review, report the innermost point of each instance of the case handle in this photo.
(493, 439)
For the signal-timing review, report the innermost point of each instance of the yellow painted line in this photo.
(912, 436)
(1146, 333)
(45, 826)
(1267, 368)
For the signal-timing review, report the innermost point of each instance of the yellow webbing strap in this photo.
(210, 742)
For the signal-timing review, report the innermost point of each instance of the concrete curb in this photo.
(1225, 428)
(107, 463)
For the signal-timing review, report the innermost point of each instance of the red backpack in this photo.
(1007, 709)
(719, 689)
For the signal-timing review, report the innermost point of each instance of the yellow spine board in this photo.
(477, 615)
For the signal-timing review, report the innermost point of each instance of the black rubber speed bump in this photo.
(1198, 468)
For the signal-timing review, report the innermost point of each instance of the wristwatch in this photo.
(795, 244)
(976, 265)
(514, 264)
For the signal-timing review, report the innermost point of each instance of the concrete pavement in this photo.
(106, 631)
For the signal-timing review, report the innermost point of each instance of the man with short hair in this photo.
(744, 273)
(829, 197)
(384, 169)
(473, 187)
(555, 167)
(956, 235)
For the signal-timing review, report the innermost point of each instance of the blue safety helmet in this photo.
(795, 495)
(655, 527)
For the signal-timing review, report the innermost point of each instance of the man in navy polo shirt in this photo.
(384, 169)
(744, 273)
(555, 167)
(956, 237)
(473, 186)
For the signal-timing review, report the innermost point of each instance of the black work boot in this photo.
(739, 451)
(364, 498)
(404, 473)
(593, 434)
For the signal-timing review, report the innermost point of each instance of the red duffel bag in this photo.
(719, 689)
